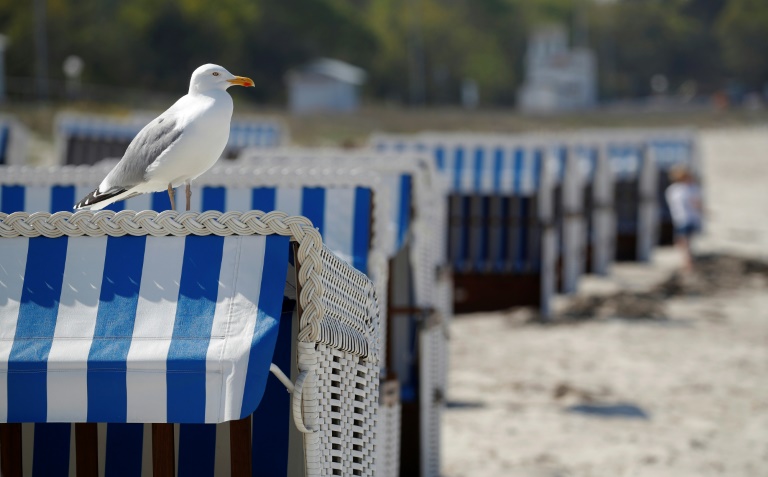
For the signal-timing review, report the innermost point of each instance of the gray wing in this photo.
(147, 146)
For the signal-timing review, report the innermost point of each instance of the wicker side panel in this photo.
(432, 399)
(348, 398)
(444, 306)
(388, 432)
(351, 318)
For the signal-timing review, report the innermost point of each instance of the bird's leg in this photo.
(170, 194)
(189, 195)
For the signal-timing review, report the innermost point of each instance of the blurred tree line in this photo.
(413, 50)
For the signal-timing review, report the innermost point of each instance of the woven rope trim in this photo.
(311, 254)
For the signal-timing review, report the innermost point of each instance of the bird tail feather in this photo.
(98, 200)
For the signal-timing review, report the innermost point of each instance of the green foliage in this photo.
(743, 33)
(157, 43)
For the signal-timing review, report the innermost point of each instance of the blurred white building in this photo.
(557, 78)
(325, 86)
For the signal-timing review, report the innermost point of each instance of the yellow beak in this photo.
(241, 81)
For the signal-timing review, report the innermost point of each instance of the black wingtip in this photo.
(95, 197)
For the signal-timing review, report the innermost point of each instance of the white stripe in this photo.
(220, 327)
(507, 168)
(67, 375)
(81, 192)
(37, 199)
(242, 293)
(13, 262)
(28, 448)
(140, 202)
(101, 446)
(146, 453)
(238, 198)
(489, 163)
(155, 311)
(72, 452)
(288, 200)
(393, 183)
(196, 201)
(222, 463)
(338, 220)
(526, 179)
(468, 170)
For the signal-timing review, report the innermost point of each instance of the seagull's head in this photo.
(209, 77)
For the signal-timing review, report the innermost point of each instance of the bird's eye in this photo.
(215, 73)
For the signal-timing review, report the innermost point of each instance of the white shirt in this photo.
(684, 201)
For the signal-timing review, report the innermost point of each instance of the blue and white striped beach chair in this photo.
(635, 198)
(349, 206)
(113, 321)
(667, 148)
(499, 213)
(584, 199)
(419, 301)
(88, 139)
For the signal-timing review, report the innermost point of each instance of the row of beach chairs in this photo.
(534, 212)
(331, 274)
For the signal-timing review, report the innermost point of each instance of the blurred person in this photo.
(684, 199)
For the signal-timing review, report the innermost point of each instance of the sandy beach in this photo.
(683, 394)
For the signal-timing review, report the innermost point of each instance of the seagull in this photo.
(177, 146)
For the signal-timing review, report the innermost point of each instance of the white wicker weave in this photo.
(335, 397)
(426, 247)
(390, 415)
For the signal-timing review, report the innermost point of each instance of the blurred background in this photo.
(678, 386)
(504, 61)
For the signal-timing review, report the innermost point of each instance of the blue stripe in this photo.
(4, 132)
(271, 420)
(478, 168)
(51, 455)
(504, 249)
(263, 198)
(517, 171)
(361, 229)
(404, 214)
(440, 158)
(313, 205)
(114, 327)
(562, 156)
(485, 224)
(116, 206)
(43, 276)
(466, 219)
(498, 165)
(195, 308)
(161, 202)
(538, 158)
(197, 450)
(12, 199)
(214, 198)
(62, 198)
(124, 450)
(522, 242)
(458, 165)
(267, 322)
